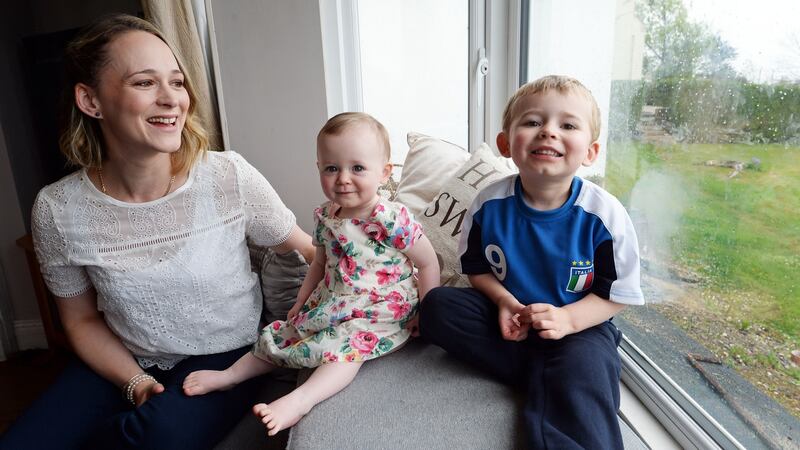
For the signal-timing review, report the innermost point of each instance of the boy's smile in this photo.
(550, 137)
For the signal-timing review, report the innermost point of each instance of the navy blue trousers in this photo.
(83, 410)
(571, 384)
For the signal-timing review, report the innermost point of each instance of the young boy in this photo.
(552, 258)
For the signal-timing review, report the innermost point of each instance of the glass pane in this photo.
(702, 146)
(415, 68)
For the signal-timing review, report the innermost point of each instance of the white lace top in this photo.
(173, 275)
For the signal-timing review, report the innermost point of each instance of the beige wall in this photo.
(273, 88)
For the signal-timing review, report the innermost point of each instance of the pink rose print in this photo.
(394, 296)
(374, 297)
(388, 275)
(378, 208)
(375, 230)
(276, 325)
(330, 357)
(342, 238)
(400, 239)
(358, 314)
(350, 357)
(402, 218)
(289, 342)
(336, 248)
(400, 309)
(347, 265)
(364, 341)
(299, 319)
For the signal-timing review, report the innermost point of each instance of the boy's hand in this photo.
(508, 312)
(551, 321)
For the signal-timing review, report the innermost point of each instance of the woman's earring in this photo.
(97, 114)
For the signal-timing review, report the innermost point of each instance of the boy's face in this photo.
(550, 136)
(352, 165)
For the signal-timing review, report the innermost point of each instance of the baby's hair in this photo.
(561, 84)
(343, 121)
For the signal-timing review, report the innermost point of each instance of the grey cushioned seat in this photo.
(417, 397)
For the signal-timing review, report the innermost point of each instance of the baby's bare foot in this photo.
(205, 381)
(283, 413)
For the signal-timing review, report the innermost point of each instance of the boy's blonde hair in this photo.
(561, 84)
(343, 121)
(81, 139)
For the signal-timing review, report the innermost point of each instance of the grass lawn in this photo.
(740, 235)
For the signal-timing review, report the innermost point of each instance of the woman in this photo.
(145, 250)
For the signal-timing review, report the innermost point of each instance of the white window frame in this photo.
(342, 55)
(685, 420)
(497, 37)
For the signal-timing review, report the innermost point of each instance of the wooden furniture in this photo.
(56, 338)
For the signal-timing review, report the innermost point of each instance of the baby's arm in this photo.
(508, 307)
(424, 258)
(555, 322)
(315, 273)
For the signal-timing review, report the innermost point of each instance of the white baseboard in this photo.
(30, 334)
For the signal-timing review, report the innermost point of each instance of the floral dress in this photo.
(360, 308)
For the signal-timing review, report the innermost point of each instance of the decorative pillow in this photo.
(441, 220)
(281, 278)
(429, 163)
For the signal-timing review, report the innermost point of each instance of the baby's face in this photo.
(352, 165)
(550, 135)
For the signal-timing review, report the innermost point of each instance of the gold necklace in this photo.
(103, 184)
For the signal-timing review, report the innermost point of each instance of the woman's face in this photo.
(141, 97)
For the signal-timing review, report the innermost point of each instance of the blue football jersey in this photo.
(557, 256)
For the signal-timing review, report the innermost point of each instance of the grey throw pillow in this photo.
(281, 278)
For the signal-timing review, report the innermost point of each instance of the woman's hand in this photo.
(145, 390)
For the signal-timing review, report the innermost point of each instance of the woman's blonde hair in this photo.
(81, 138)
(343, 121)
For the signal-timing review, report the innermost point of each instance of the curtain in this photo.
(176, 20)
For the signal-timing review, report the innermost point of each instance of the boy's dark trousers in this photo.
(571, 384)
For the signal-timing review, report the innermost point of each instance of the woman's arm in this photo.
(99, 347)
(298, 240)
(424, 258)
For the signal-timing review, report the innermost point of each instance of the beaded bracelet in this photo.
(129, 387)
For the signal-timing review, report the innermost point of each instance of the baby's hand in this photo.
(508, 313)
(413, 325)
(551, 321)
(295, 310)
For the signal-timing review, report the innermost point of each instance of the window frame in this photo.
(499, 33)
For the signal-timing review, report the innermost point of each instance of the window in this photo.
(414, 68)
(701, 143)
